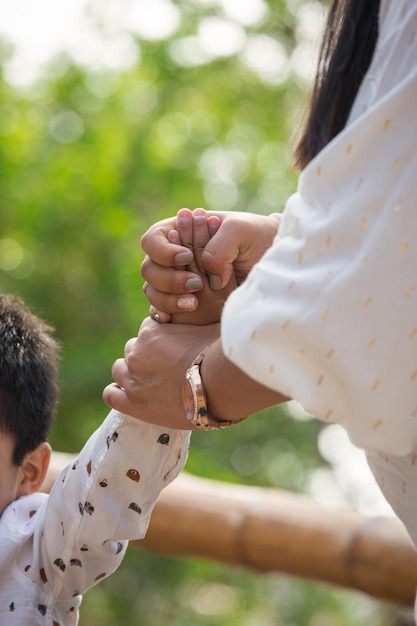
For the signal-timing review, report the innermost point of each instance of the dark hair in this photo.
(28, 376)
(345, 55)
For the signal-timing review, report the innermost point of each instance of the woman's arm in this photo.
(231, 394)
(150, 377)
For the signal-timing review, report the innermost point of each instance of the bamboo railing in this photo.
(269, 530)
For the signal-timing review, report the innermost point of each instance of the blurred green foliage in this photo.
(88, 160)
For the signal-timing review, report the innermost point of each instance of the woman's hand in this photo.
(148, 380)
(238, 241)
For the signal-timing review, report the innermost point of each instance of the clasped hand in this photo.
(215, 250)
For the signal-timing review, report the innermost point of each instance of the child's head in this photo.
(28, 396)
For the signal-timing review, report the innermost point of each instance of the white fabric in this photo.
(53, 548)
(329, 315)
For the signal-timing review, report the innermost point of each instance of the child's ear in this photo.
(33, 469)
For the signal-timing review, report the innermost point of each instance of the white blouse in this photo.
(329, 314)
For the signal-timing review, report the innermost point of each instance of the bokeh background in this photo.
(114, 115)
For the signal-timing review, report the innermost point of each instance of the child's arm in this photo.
(106, 497)
(99, 502)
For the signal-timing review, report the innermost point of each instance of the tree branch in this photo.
(269, 530)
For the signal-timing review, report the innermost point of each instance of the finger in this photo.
(116, 398)
(157, 246)
(129, 348)
(184, 227)
(168, 280)
(167, 304)
(213, 223)
(218, 257)
(173, 237)
(119, 372)
(201, 235)
(159, 316)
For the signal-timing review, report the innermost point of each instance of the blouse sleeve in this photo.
(329, 314)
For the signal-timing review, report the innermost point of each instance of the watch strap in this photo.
(201, 418)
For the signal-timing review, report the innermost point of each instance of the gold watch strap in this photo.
(207, 422)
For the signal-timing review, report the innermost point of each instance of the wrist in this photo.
(276, 217)
(195, 400)
(231, 394)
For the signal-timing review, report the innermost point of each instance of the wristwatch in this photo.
(195, 400)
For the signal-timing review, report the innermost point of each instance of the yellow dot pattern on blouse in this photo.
(329, 314)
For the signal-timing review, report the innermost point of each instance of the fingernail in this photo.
(183, 258)
(187, 304)
(215, 282)
(200, 214)
(194, 284)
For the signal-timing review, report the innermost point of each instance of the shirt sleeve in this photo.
(103, 499)
(329, 314)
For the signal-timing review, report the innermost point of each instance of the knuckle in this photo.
(150, 294)
(145, 332)
(173, 283)
(129, 347)
(144, 268)
(209, 259)
(132, 360)
(147, 237)
(115, 368)
(179, 280)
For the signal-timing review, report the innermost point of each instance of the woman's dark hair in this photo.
(28, 376)
(345, 55)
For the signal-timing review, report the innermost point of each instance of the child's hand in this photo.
(194, 230)
(236, 242)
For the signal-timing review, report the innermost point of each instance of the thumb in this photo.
(218, 257)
